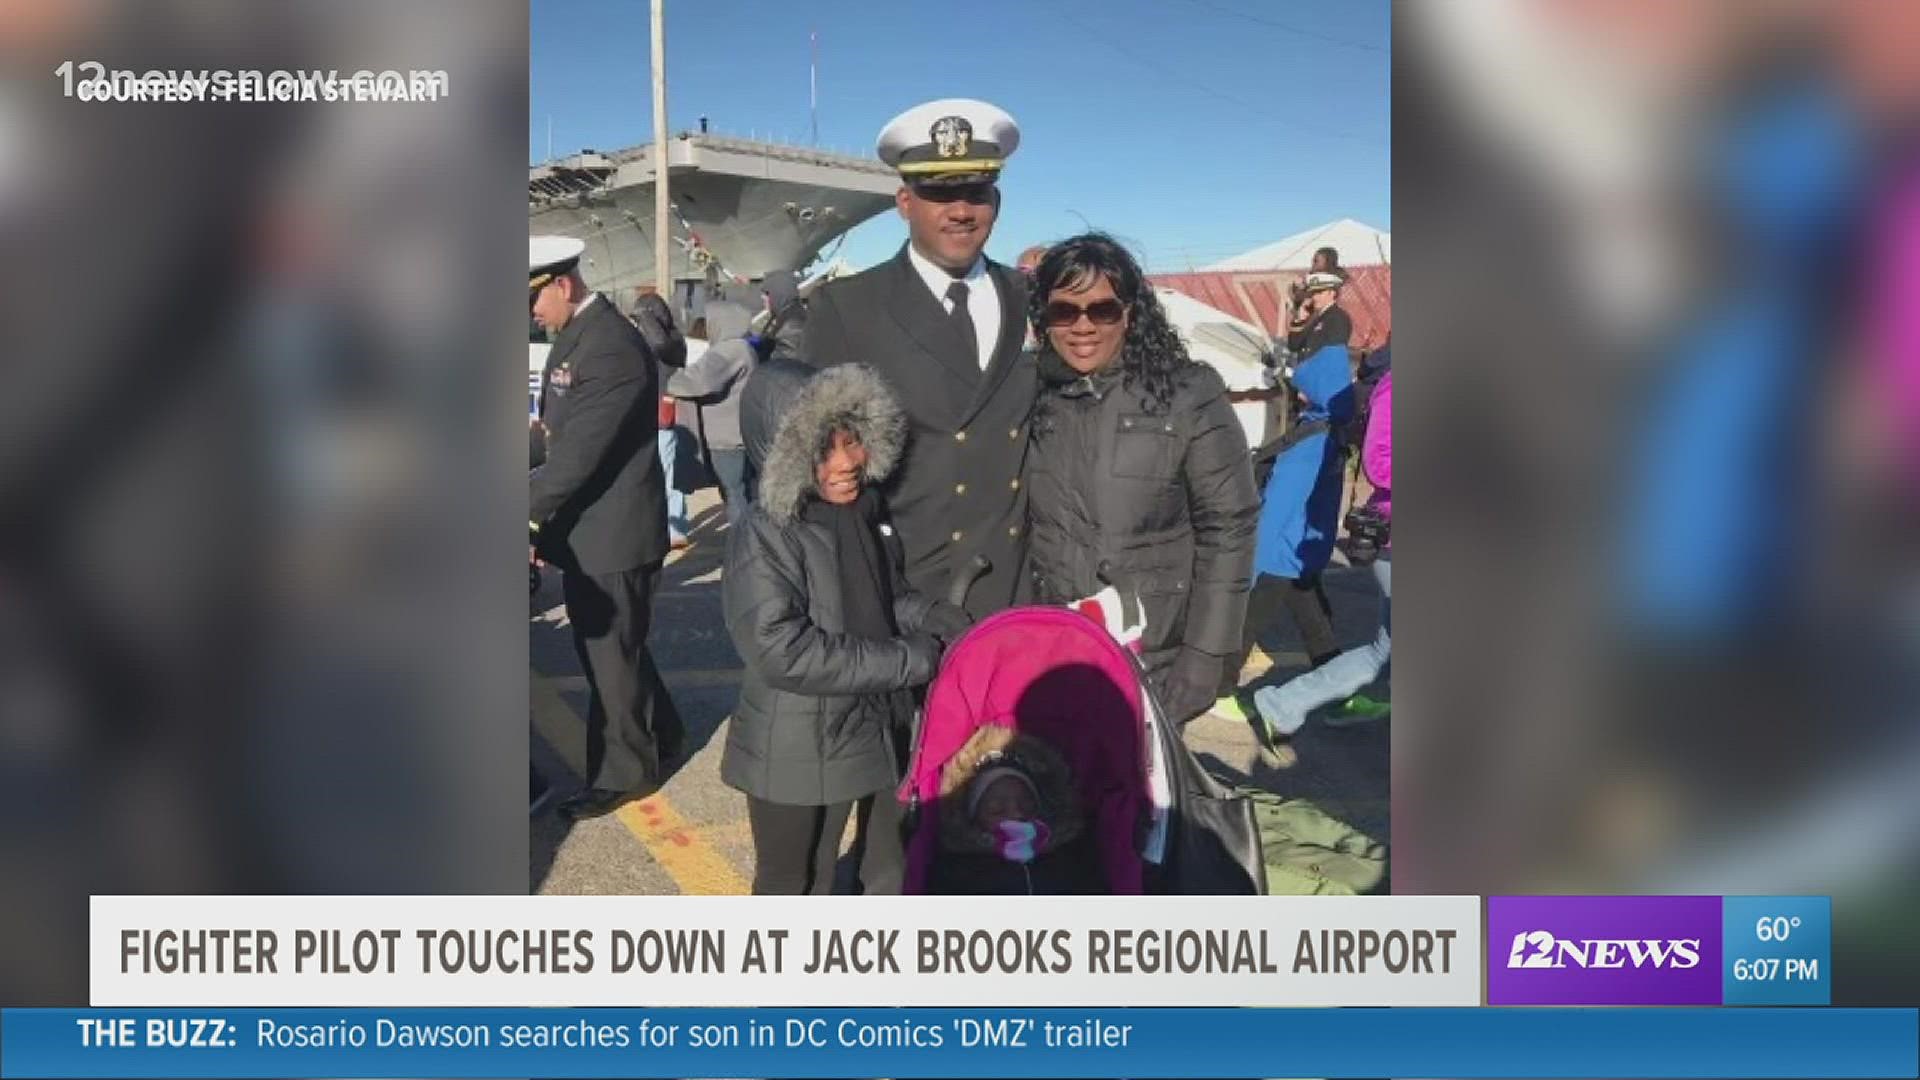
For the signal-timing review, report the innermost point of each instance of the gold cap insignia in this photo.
(951, 136)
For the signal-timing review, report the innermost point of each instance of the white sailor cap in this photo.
(950, 141)
(548, 257)
(1324, 280)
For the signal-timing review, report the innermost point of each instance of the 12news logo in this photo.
(1540, 949)
(1604, 950)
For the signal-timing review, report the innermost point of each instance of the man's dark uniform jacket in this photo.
(599, 501)
(600, 504)
(958, 492)
(1331, 326)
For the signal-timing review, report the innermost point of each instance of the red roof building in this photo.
(1260, 297)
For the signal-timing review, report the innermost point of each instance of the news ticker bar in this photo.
(904, 1043)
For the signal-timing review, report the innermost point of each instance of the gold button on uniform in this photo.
(1014, 434)
(959, 436)
(1014, 531)
(1015, 484)
(959, 489)
(956, 536)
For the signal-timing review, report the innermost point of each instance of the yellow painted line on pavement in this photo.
(676, 844)
(680, 849)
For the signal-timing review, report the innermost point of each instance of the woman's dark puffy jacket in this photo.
(817, 717)
(1161, 503)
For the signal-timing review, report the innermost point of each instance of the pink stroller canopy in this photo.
(1056, 675)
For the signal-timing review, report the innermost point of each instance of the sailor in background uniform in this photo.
(945, 326)
(598, 512)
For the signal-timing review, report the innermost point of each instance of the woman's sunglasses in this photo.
(1064, 313)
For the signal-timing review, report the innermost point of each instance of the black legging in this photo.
(1305, 600)
(795, 847)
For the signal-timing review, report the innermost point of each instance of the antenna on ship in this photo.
(813, 83)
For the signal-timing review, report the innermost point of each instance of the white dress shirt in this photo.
(983, 300)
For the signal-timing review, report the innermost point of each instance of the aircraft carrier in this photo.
(742, 208)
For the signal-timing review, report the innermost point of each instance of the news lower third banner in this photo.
(1030, 951)
(959, 986)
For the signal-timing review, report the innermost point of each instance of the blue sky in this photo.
(1192, 129)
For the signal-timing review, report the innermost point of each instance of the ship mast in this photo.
(662, 270)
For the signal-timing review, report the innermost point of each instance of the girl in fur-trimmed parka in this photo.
(1010, 821)
(832, 638)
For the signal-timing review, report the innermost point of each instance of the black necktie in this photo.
(963, 319)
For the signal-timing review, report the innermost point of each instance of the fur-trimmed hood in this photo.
(992, 744)
(788, 412)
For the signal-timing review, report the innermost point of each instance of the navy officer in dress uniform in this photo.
(945, 326)
(598, 512)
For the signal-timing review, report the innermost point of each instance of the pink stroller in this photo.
(1156, 822)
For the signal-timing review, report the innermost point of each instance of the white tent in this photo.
(1357, 243)
(1234, 348)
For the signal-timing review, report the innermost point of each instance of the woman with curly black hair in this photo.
(1138, 475)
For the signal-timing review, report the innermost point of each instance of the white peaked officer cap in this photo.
(548, 257)
(951, 141)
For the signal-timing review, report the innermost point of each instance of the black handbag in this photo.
(1213, 839)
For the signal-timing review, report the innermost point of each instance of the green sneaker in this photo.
(1229, 708)
(1359, 709)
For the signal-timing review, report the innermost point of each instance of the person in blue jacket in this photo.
(1300, 514)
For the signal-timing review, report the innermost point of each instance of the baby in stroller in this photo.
(1019, 829)
(1042, 765)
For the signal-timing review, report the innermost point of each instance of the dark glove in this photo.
(926, 649)
(1192, 684)
(946, 622)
